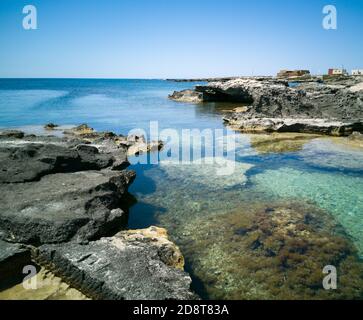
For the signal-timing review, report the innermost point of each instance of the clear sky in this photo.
(177, 38)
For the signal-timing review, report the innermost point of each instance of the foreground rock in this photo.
(58, 189)
(334, 108)
(70, 188)
(142, 265)
(66, 206)
(59, 196)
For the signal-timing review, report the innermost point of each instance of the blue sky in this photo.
(177, 38)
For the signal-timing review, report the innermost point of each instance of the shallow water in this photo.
(297, 177)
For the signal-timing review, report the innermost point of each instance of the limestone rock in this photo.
(65, 206)
(187, 96)
(131, 265)
(27, 161)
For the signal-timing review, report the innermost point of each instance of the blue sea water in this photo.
(323, 172)
(115, 105)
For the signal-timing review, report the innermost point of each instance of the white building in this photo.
(357, 72)
(337, 72)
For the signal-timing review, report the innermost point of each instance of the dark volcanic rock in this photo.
(65, 206)
(133, 265)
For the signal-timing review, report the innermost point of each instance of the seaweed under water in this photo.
(274, 251)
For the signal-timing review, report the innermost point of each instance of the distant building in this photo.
(293, 73)
(337, 72)
(357, 72)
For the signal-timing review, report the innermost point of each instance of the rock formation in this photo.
(60, 195)
(132, 265)
(275, 106)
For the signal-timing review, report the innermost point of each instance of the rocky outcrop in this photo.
(60, 195)
(334, 108)
(26, 161)
(132, 265)
(58, 189)
(276, 99)
(65, 206)
(246, 124)
(187, 96)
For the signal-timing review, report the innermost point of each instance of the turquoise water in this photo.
(321, 174)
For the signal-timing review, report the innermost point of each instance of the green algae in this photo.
(271, 252)
(280, 142)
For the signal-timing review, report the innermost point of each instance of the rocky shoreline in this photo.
(65, 208)
(274, 105)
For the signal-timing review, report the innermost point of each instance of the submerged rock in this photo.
(140, 265)
(280, 142)
(338, 193)
(334, 153)
(272, 251)
(212, 173)
(48, 287)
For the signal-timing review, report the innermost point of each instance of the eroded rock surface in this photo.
(274, 106)
(141, 264)
(65, 206)
(58, 189)
(60, 195)
(187, 96)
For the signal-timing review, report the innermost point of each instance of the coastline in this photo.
(74, 186)
(272, 105)
(264, 144)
